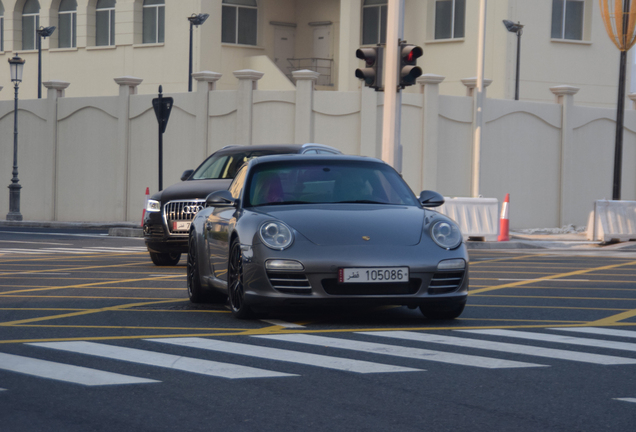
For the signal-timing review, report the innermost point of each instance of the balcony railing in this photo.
(321, 65)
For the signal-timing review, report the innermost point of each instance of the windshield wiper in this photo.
(286, 202)
(361, 202)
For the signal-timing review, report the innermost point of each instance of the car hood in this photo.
(352, 224)
(191, 189)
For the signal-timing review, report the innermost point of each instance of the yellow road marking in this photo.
(504, 259)
(556, 297)
(85, 312)
(614, 319)
(87, 285)
(70, 269)
(556, 276)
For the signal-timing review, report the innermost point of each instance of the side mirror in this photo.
(431, 199)
(222, 198)
(186, 175)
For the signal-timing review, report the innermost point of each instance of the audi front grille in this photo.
(179, 214)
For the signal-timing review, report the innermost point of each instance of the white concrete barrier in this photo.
(477, 217)
(612, 221)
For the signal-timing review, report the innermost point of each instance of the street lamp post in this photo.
(16, 64)
(43, 32)
(516, 28)
(195, 20)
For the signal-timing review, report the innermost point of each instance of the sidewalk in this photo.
(528, 239)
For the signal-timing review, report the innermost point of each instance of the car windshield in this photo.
(225, 166)
(311, 182)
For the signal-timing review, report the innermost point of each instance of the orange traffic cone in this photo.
(143, 215)
(503, 221)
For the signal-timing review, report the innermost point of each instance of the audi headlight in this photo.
(276, 235)
(446, 234)
(153, 206)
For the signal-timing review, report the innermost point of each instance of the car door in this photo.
(218, 227)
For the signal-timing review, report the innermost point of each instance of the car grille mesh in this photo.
(181, 211)
(290, 283)
(445, 282)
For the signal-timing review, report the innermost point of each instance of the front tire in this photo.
(445, 313)
(235, 287)
(165, 259)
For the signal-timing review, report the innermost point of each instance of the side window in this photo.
(105, 23)
(237, 185)
(374, 17)
(450, 17)
(30, 24)
(239, 22)
(154, 21)
(67, 19)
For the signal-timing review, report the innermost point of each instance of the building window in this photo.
(374, 13)
(30, 24)
(239, 22)
(67, 19)
(154, 19)
(567, 19)
(449, 19)
(105, 23)
(1, 27)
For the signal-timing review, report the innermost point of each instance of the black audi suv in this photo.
(170, 211)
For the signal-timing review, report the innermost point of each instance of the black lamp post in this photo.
(16, 64)
(516, 28)
(43, 32)
(195, 20)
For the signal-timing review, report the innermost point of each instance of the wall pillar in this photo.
(248, 82)
(370, 127)
(471, 85)
(632, 97)
(565, 96)
(304, 121)
(127, 88)
(429, 87)
(55, 90)
(206, 82)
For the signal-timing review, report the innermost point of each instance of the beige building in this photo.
(563, 42)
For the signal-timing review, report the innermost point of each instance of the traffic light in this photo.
(372, 72)
(409, 70)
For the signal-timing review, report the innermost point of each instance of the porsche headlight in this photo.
(276, 235)
(153, 206)
(446, 234)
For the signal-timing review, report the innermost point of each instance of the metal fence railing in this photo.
(321, 65)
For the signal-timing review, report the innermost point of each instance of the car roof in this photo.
(319, 157)
(283, 148)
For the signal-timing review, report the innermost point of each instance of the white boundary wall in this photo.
(91, 159)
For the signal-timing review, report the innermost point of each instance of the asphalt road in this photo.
(94, 337)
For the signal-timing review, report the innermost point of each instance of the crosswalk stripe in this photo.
(399, 351)
(65, 372)
(23, 251)
(633, 400)
(328, 362)
(596, 343)
(507, 347)
(187, 364)
(72, 250)
(599, 331)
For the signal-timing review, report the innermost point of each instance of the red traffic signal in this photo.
(371, 74)
(409, 71)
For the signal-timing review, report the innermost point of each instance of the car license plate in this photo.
(373, 275)
(180, 226)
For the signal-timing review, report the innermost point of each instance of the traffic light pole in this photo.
(391, 147)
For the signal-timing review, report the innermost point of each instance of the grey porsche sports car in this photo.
(297, 229)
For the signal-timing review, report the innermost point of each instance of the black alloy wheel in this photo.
(165, 259)
(236, 292)
(448, 313)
